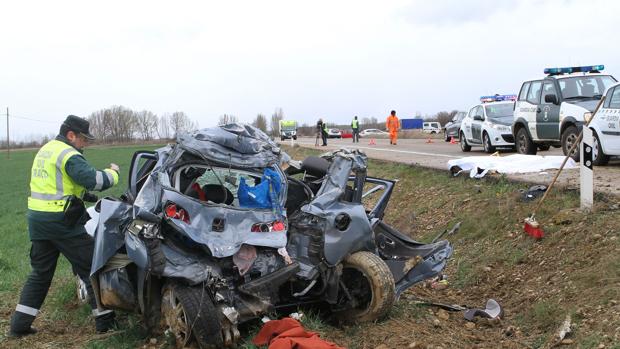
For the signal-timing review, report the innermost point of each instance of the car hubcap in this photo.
(175, 317)
(521, 144)
(595, 149)
(570, 140)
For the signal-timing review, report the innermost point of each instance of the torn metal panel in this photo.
(237, 225)
(189, 267)
(237, 144)
(347, 228)
(109, 236)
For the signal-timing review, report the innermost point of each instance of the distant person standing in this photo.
(355, 125)
(392, 125)
(322, 128)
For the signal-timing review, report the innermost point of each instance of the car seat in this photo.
(215, 193)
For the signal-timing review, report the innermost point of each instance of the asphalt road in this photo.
(436, 155)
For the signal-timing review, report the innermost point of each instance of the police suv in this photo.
(552, 110)
(488, 124)
(605, 127)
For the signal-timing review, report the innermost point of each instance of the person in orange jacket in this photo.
(392, 125)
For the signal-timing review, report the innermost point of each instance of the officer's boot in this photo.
(20, 325)
(106, 322)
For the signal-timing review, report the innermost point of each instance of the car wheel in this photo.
(544, 147)
(446, 137)
(190, 314)
(570, 137)
(599, 158)
(370, 284)
(294, 138)
(464, 146)
(486, 140)
(524, 144)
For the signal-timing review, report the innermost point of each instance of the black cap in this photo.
(78, 125)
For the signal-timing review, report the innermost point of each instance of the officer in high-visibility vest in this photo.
(355, 126)
(60, 179)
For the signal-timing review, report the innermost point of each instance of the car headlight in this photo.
(587, 116)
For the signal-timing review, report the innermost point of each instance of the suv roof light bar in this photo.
(569, 70)
(497, 98)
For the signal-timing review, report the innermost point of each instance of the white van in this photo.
(431, 127)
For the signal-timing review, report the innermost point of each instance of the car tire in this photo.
(446, 137)
(294, 138)
(570, 136)
(486, 142)
(524, 144)
(544, 147)
(599, 158)
(464, 146)
(190, 314)
(369, 280)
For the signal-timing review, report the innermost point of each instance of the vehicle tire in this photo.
(524, 144)
(294, 138)
(599, 158)
(446, 137)
(569, 137)
(370, 282)
(190, 314)
(544, 147)
(486, 141)
(464, 146)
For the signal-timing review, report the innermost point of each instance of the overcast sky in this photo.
(330, 59)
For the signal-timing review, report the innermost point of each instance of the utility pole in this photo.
(8, 141)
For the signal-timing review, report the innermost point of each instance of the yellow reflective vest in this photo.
(49, 183)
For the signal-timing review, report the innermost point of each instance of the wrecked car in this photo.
(212, 233)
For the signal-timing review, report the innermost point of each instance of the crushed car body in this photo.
(213, 226)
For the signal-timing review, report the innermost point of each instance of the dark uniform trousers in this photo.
(43, 259)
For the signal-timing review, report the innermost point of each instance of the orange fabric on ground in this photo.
(392, 125)
(288, 333)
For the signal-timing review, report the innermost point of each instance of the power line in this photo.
(32, 119)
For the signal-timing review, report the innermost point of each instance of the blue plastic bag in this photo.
(263, 195)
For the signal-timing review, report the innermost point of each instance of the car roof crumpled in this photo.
(235, 144)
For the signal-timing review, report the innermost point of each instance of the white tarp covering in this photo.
(478, 166)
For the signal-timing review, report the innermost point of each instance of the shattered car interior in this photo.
(213, 233)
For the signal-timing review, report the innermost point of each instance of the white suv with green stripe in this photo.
(552, 110)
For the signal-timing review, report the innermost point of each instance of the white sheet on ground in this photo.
(478, 166)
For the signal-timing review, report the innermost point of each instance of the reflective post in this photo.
(586, 176)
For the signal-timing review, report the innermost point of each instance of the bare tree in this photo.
(443, 117)
(227, 119)
(147, 123)
(163, 131)
(179, 123)
(275, 121)
(260, 122)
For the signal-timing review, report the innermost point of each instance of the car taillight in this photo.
(267, 227)
(177, 212)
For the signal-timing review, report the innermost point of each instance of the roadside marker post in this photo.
(586, 175)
